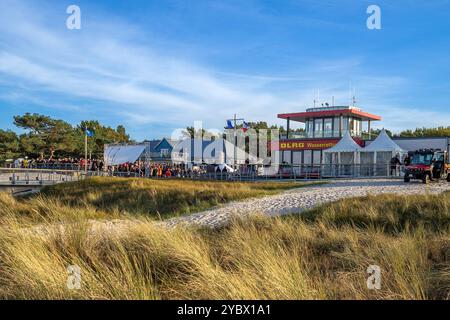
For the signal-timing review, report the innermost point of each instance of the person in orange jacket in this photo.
(160, 171)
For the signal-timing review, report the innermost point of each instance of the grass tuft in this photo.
(162, 198)
(320, 254)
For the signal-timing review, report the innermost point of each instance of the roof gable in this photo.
(163, 144)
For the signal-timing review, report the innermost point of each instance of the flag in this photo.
(89, 133)
(229, 125)
(245, 127)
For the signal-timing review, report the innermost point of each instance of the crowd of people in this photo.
(59, 163)
(138, 168)
(154, 170)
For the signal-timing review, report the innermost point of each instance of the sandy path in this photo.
(292, 201)
(298, 200)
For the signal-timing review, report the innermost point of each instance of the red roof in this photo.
(302, 116)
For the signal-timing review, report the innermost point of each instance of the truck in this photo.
(428, 165)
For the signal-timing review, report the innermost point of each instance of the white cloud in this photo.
(401, 118)
(142, 84)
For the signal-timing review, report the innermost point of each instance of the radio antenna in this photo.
(317, 98)
(350, 92)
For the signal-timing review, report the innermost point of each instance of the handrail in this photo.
(37, 177)
(38, 170)
(20, 176)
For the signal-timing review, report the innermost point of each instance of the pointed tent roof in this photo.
(119, 154)
(346, 144)
(383, 143)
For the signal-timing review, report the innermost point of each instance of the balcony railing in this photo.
(324, 135)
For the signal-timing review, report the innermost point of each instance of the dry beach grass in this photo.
(161, 198)
(320, 254)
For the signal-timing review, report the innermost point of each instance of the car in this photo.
(428, 165)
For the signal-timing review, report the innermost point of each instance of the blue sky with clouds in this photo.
(156, 65)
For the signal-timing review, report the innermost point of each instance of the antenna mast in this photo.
(350, 98)
(318, 96)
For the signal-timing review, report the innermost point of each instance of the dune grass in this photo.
(117, 198)
(321, 254)
(156, 198)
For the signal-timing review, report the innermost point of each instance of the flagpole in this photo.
(235, 142)
(85, 150)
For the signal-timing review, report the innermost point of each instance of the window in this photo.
(310, 128)
(351, 125)
(336, 127)
(287, 157)
(317, 156)
(328, 128)
(318, 128)
(308, 157)
(420, 158)
(165, 153)
(297, 157)
(358, 127)
(345, 124)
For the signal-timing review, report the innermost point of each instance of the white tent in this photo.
(340, 160)
(377, 155)
(382, 149)
(383, 143)
(346, 151)
(119, 154)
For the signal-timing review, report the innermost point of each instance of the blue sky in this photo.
(154, 66)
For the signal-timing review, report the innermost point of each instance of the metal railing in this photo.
(26, 176)
(326, 134)
(334, 171)
(295, 172)
(48, 166)
(21, 176)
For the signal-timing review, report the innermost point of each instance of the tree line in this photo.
(418, 132)
(45, 137)
(190, 132)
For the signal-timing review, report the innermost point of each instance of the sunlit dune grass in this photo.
(320, 254)
(161, 198)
